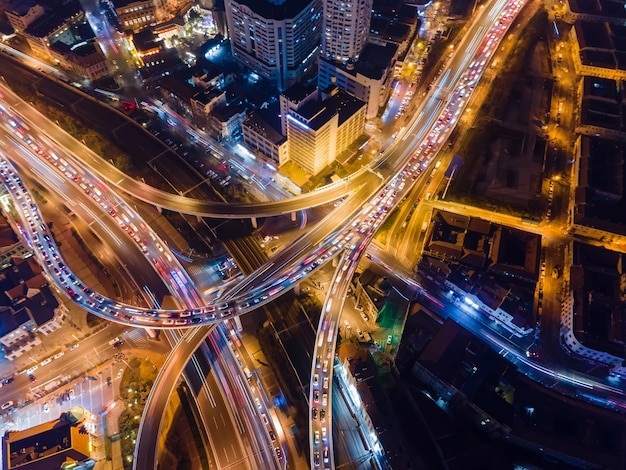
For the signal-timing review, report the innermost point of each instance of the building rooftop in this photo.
(46, 25)
(515, 252)
(607, 8)
(266, 125)
(395, 32)
(318, 112)
(20, 7)
(46, 446)
(276, 9)
(600, 87)
(224, 113)
(178, 87)
(207, 95)
(597, 291)
(375, 60)
(600, 198)
(145, 40)
(125, 3)
(299, 92)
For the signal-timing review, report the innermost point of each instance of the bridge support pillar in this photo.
(254, 223)
(152, 333)
(238, 324)
(198, 218)
(293, 216)
(159, 209)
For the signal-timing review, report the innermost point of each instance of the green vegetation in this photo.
(383, 231)
(96, 139)
(134, 389)
(474, 143)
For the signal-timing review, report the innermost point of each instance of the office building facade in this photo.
(320, 129)
(346, 26)
(277, 40)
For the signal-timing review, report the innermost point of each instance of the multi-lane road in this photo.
(414, 153)
(348, 227)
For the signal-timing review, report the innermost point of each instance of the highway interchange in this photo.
(344, 234)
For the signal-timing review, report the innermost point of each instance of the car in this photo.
(326, 457)
(74, 347)
(32, 378)
(116, 342)
(389, 339)
(324, 434)
(8, 405)
(31, 370)
(279, 452)
(7, 381)
(46, 407)
(316, 459)
(322, 415)
(316, 396)
(317, 438)
(325, 383)
(316, 379)
(314, 413)
(324, 399)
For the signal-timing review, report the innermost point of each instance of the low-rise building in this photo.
(177, 93)
(28, 308)
(21, 13)
(49, 28)
(371, 293)
(598, 50)
(86, 60)
(263, 136)
(226, 121)
(48, 445)
(136, 14)
(205, 101)
(368, 79)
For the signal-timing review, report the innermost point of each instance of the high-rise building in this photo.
(277, 39)
(348, 60)
(320, 129)
(346, 28)
(369, 78)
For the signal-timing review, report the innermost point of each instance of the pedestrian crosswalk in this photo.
(137, 338)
